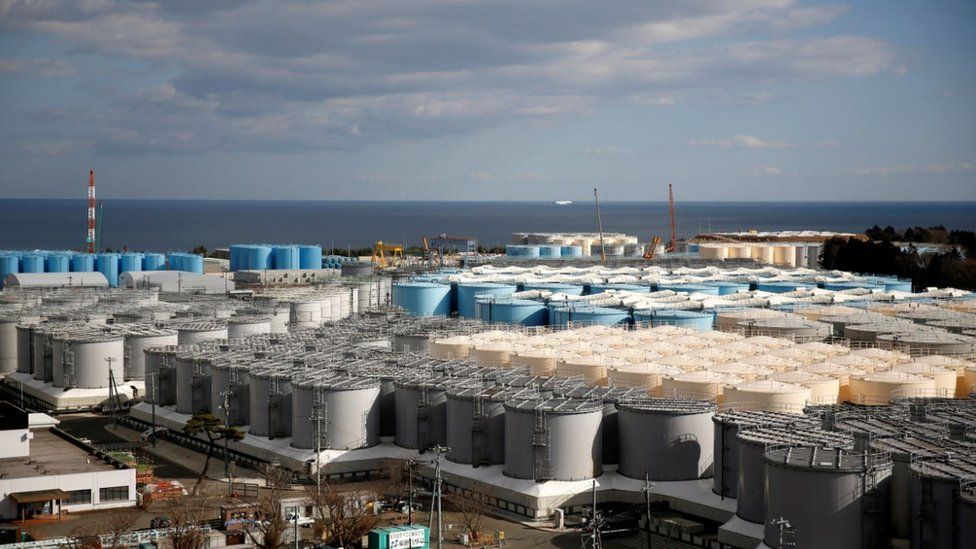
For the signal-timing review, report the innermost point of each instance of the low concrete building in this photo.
(44, 472)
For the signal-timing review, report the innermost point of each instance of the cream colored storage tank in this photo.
(746, 372)
(492, 354)
(880, 387)
(768, 396)
(451, 348)
(702, 385)
(649, 376)
(728, 320)
(823, 389)
(540, 362)
(943, 378)
(840, 372)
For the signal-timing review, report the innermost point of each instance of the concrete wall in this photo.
(81, 481)
(14, 443)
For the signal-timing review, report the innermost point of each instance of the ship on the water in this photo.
(561, 202)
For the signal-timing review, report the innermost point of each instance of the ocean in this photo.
(182, 224)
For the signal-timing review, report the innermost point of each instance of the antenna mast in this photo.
(599, 222)
(90, 240)
(673, 244)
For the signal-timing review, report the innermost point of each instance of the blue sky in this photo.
(489, 99)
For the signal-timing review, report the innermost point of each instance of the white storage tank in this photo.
(943, 379)
(244, 326)
(823, 389)
(92, 357)
(451, 348)
(270, 401)
(700, 385)
(553, 439)
(198, 331)
(669, 439)
(305, 314)
(137, 340)
(347, 408)
(230, 385)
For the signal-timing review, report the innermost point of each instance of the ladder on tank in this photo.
(542, 469)
(196, 384)
(68, 369)
(320, 416)
(274, 419)
(127, 362)
(479, 433)
(874, 502)
(423, 421)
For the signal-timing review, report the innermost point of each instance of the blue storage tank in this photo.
(9, 264)
(556, 287)
(466, 294)
(690, 288)
(894, 284)
(108, 265)
(192, 263)
(153, 262)
(82, 263)
(259, 258)
(511, 311)
(238, 256)
(521, 250)
(175, 262)
(600, 288)
(841, 286)
(423, 298)
(571, 251)
(698, 320)
(586, 315)
(286, 258)
(309, 256)
(548, 250)
(783, 287)
(131, 262)
(58, 263)
(32, 263)
(726, 288)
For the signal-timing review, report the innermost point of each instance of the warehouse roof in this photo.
(55, 280)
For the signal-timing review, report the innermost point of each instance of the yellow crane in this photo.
(387, 255)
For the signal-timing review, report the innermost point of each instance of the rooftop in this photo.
(52, 455)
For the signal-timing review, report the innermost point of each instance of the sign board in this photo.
(409, 539)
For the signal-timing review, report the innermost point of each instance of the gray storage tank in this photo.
(831, 498)
(553, 439)
(609, 396)
(344, 411)
(476, 424)
(89, 357)
(753, 445)
(193, 381)
(796, 329)
(725, 471)
(270, 389)
(244, 326)
(161, 374)
(232, 379)
(936, 483)
(668, 439)
(903, 450)
(25, 347)
(421, 411)
(199, 331)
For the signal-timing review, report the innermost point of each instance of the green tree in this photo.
(210, 425)
(200, 250)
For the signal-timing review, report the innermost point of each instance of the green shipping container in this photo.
(399, 537)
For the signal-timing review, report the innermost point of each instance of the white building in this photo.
(43, 472)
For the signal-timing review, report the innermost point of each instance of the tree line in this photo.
(882, 254)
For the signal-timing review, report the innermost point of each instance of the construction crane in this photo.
(673, 243)
(652, 247)
(387, 255)
(448, 245)
(599, 223)
(90, 239)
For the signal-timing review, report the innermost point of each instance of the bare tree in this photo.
(186, 516)
(267, 532)
(472, 504)
(346, 515)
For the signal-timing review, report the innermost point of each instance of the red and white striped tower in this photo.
(91, 211)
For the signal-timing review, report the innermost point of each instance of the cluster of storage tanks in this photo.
(109, 264)
(275, 256)
(750, 371)
(330, 388)
(572, 245)
(785, 254)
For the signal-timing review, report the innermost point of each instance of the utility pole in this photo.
(225, 406)
(591, 540)
(439, 452)
(112, 389)
(647, 501)
(154, 377)
(317, 417)
(410, 465)
(599, 223)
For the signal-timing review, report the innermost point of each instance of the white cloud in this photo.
(767, 171)
(481, 176)
(753, 142)
(35, 67)
(608, 151)
(929, 168)
(530, 176)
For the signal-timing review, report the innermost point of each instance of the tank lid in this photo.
(765, 419)
(906, 447)
(795, 437)
(952, 466)
(554, 405)
(91, 337)
(202, 326)
(667, 406)
(833, 460)
(249, 319)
